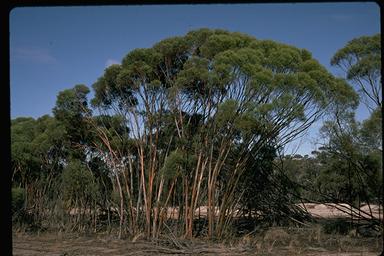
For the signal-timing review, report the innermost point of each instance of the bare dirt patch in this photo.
(332, 210)
(273, 243)
(60, 245)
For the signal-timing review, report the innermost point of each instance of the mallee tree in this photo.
(238, 93)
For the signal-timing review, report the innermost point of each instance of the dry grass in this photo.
(274, 241)
(310, 240)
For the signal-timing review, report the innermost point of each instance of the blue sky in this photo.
(55, 48)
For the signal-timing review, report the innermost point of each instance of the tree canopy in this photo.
(360, 59)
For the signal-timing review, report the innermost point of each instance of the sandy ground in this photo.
(60, 246)
(327, 210)
(67, 245)
(71, 244)
(53, 245)
(331, 210)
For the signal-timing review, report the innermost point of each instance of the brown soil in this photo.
(70, 245)
(60, 245)
(273, 242)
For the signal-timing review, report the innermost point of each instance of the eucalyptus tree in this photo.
(82, 180)
(37, 154)
(360, 59)
(23, 160)
(227, 95)
(70, 111)
(355, 148)
(112, 145)
(80, 191)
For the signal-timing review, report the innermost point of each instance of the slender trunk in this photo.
(147, 206)
(185, 183)
(165, 206)
(210, 205)
(157, 210)
(121, 205)
(131, 218)
(194, 196)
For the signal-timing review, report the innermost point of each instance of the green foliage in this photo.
(71, 104)
(116, 85)
(115, 130)
(18, 199)
(101, 176)
(371, 130)
(348, 168)
(248, 124)
(373, 176)
(78, 183)
(221, 41)
(365, 54)
(337, 179)
(70, 110)
(205, 61)
(172, 164)
(361, 60)
(338, 226)
(37, 146)
(194, 77)
(177, 163)
(256, 184)
(226, 113)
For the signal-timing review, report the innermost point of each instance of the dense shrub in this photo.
(18, 198)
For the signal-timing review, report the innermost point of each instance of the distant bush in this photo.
(18, 198)
(337, 226)
(78, 183)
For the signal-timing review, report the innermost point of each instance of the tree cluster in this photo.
(193, 121)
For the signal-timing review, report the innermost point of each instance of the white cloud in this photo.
(110, 62)
(36, 55)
